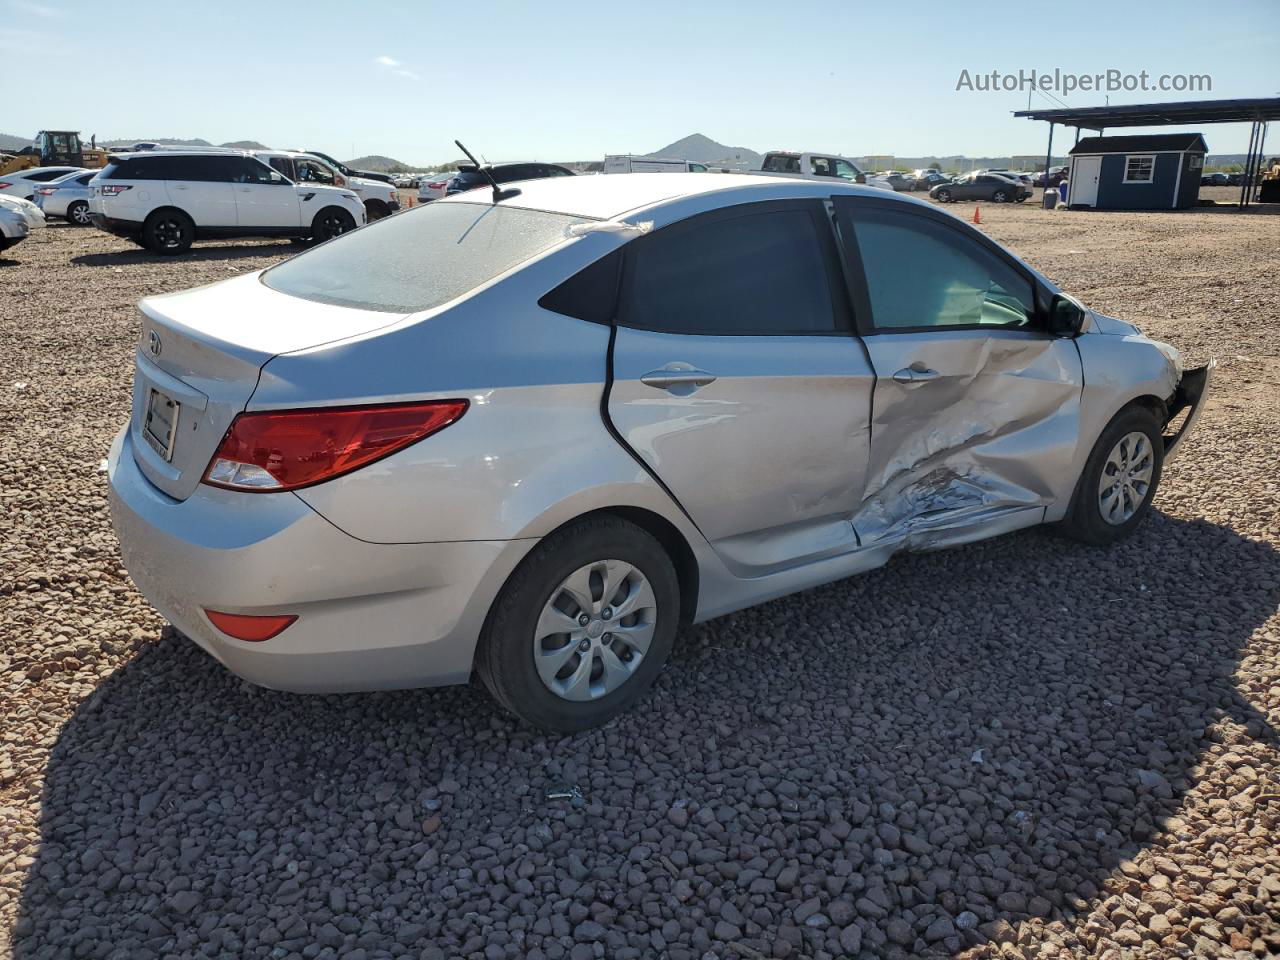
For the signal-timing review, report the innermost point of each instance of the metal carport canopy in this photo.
(1158, 114)
(1258, 111)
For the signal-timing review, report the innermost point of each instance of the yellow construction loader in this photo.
(55, 148)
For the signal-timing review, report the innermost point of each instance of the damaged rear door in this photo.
(976, 407)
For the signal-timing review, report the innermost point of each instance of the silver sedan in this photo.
(531, 432)
(67, 197)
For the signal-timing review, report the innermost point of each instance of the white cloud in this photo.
(396, 67)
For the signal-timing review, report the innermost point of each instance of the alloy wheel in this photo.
(595, 630)
(80, 213)
(1126, 478)
(170, 233)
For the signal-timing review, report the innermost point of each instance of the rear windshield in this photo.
(420, 259)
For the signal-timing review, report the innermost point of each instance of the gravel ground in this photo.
(1023, 747)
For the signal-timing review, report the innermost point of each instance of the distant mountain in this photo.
(379, 164)
(170, 141)
(10, 142)
(703, 149)
(245, 145)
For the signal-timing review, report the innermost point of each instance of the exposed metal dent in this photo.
(994, 433)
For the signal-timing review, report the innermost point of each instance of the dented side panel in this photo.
(992, 431)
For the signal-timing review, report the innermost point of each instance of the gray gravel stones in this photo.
(801, 783)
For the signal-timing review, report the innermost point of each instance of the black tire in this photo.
(375, 210)
(1000, 197)
(168, 233)
(331, 222)
(1084, 521)
(944, 196)
(78, 213)
(505, 654)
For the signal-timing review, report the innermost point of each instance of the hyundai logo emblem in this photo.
(153, 343)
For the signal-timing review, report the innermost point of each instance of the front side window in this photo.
(762, 272)
(1139, 169)
(847, 170)
(921, 273)
(311, 172)
(420, 259)
(283, 164)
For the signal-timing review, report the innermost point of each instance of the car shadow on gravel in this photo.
(194, 255)
(900, 764)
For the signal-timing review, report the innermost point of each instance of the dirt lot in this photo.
(1020, 748)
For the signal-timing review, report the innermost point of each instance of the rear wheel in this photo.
(1000, 197)
(78, 213)
(583, 626)
(1119, 481)
(168, 232)
(331, 222)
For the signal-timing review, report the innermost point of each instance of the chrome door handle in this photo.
(664, 379)
(911, 375)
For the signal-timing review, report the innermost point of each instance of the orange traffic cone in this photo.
(977, 215)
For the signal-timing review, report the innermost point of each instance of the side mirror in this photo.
(339, 180)
(1066, 316)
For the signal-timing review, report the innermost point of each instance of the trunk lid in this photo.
(199, 356)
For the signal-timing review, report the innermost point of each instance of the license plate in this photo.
(161, 423)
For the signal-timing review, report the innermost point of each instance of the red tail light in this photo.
(5, 184)
(253, 629)
(45, 191)
(437, 184)
(110, 190)
(270, 452)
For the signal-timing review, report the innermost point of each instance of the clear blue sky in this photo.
(570, 80)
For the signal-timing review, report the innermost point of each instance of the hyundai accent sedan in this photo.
(529, 433)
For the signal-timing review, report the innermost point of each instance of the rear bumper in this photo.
(120, 228)
(370, 616)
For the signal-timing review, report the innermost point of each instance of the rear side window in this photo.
(84, 181)
(747, 273)
(591, 293)
(420, 259)
(921, 274)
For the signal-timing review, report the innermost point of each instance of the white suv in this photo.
(164, 200)
(380, 199)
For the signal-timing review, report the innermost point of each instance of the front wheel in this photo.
(1119, 481)
(583, 626)
(1000, 196)
(944, 196)
(331, 222)
(78, 213)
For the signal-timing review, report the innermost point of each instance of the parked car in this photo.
(535, 438)
(782, 163)
(1214, 180)
(380, 199)
(468, 177)
(67, 197)
(1056, 176)
(619, 163)
(900, 181)
(165, 200)
(25, 208)
(981, 186)
(17, 219)
(23, 183)
(347, 171)
(434, 186)
(1023, 178)
(930, 180)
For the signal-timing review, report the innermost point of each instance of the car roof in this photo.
(212, 152)
(34, 170)
(675, 194)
